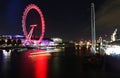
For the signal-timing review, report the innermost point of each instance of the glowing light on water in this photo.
(40, 65)
(113, 50)
(39, 53)
(6, 54)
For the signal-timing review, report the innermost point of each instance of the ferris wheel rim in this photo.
(25, 13)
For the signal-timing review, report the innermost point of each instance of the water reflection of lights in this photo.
(40, 59)
(53, 50)
(6, 53)
(34, 64)
(41, 67)
(5, 61)
(39, 53)
(113, 50)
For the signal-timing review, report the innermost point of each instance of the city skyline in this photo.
(68, 19)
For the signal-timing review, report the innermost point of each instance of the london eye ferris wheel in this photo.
(28, 34)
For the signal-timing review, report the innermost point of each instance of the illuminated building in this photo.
(57, 40)
(47, 42)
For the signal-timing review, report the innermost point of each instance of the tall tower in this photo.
(93, 33)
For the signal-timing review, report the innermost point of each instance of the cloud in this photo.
(108, 16)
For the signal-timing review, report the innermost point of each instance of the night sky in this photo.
(67, 19)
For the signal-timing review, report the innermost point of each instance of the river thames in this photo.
(62, 64)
